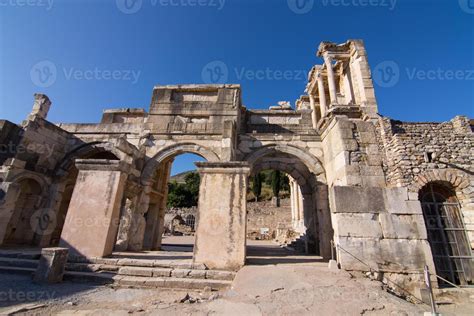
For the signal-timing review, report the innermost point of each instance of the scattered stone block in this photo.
(51, 265)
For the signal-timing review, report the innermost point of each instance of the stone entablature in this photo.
(357, 174)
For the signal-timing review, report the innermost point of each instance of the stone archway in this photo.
(461, 184)
(309, 177)
(22, 209)
(151, 208)
(172, 151)
(312, 163)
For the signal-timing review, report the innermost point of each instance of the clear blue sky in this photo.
(106, 55)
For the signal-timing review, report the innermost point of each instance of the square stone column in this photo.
(222, 215)
(92, 219)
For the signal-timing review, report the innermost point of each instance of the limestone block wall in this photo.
(351, 153)
(265, 215)
(380, 229)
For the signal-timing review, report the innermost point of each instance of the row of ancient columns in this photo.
(321, 91)
(297, 208)
(93, 216)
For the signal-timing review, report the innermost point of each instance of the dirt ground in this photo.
(274, 283)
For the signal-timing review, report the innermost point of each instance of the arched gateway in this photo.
(355, 175)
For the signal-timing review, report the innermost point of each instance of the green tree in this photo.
(193, 180)
(276, 183)
(257, 186)
(184, 194)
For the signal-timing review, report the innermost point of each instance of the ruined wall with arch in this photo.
(358, 173)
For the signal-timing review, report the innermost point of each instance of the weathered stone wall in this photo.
(264, 214)
(412, 148)
(383, 231)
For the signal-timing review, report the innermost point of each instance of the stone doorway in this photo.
(173, 200)
(447, 234)
(22, 226)
(307, 207)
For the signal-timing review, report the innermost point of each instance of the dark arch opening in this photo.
(447, 234)
(305, 236)
(22, 228)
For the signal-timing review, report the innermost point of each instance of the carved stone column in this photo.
(222, 215)
(331, 79)
(322, 95)
(92, 219)
(314, 116)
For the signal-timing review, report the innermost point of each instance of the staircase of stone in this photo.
(296, 244)
(144, 273)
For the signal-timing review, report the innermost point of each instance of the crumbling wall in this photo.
(264, 214)
(412, 148)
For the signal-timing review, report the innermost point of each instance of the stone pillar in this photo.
(314, 116)
(92, 219)
(222, 215)
(300, 208)
(41, 106)
(322, 95)
(162, 210)
(293, 205)
(51, 265)
(331, 79)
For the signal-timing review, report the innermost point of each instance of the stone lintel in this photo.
(223, 167)
(102, 165)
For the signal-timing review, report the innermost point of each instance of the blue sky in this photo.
(108, 54)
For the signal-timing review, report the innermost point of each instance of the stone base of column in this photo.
(51, 265)
(222, 215)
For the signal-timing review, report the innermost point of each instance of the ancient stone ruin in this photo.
(392, 196)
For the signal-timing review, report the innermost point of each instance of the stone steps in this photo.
(132, 281)
(129, 272)
(152, 272)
